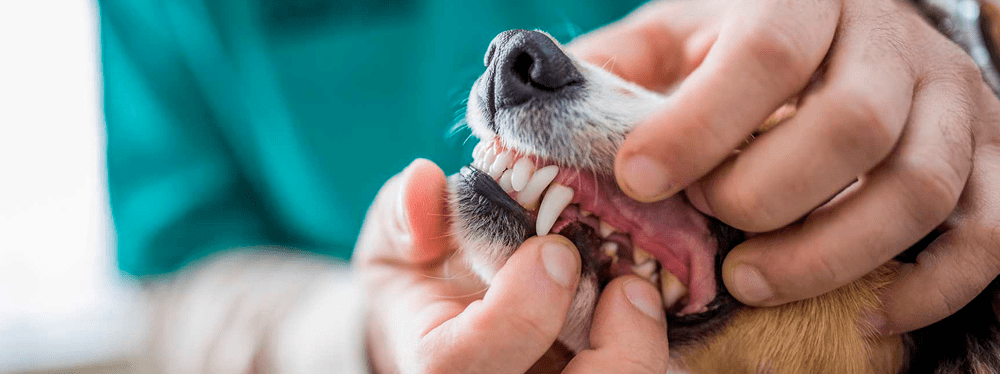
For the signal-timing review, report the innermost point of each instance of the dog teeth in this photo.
(556, 199)
(586, 213)
(610, 249)
(528, 197)
(500, 164)
(645, 269)
(639, 255)
(505, 182)
(605, 229)
(487, 160)
(477, 153)
(671, 289)
(523, 169)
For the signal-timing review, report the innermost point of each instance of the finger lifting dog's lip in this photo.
(544, 165)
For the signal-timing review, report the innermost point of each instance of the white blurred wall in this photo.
(62, 302)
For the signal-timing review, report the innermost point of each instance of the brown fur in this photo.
(818, 335)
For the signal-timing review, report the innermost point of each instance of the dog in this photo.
(549, 127)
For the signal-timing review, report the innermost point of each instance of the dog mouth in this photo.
(669, 243)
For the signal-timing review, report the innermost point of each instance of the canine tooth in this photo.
(523, 169)
(528, 197)
(586, 213)
(505, 182)
(639, 255)
(500, 164)
(645, 269)
(557, 199)
(671, 289)
(605, 229)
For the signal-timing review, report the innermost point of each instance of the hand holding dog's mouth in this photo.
(430, 314)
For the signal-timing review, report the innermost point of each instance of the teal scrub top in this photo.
(236, 123)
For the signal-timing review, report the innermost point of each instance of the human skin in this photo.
(896, 135)
(429, 313)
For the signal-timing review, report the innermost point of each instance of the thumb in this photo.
(408, 219)
(423, 208)
(629, 334)
(517, 320)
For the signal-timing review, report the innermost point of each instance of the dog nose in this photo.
(528, 64)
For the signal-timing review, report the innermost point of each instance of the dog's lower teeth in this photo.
(610, 249)
(528, 197)
(645, 269)
(523, 169)
(556, 199)
(671, 289)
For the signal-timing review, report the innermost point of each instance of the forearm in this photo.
(255, 310)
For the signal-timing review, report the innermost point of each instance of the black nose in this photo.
(528, 64)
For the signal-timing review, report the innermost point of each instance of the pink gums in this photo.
(671, 230)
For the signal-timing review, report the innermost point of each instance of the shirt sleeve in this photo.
(176, 191)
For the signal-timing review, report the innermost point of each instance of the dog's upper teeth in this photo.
(523, 169)
(671, 289)
(586, 213)
(556, 199)
(477, 153)
(639, 255)
(605, 229)
(500, 164)
(505, 182)
(528, 197)
(487, 160)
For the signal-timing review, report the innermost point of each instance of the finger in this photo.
(652, 46)
(764, 56)
(411, 216)
(841, 130)
(904, 199)
(518, 319)
(957, 266)
(629, 333)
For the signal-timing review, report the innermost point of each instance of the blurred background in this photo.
(63, 305)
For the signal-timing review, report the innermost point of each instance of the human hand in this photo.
(895, 135)
(430, 314)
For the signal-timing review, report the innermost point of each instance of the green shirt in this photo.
(237, 123)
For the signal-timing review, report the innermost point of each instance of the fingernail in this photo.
(559, 262)
(644, 297)
(696, 195)
(645, 179)
(750, 284)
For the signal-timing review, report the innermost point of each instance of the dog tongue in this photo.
(671, 230)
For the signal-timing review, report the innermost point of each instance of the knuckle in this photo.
(528, 327)
(930, 192)
(776, 49)
(748, 208)
(863, 129)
